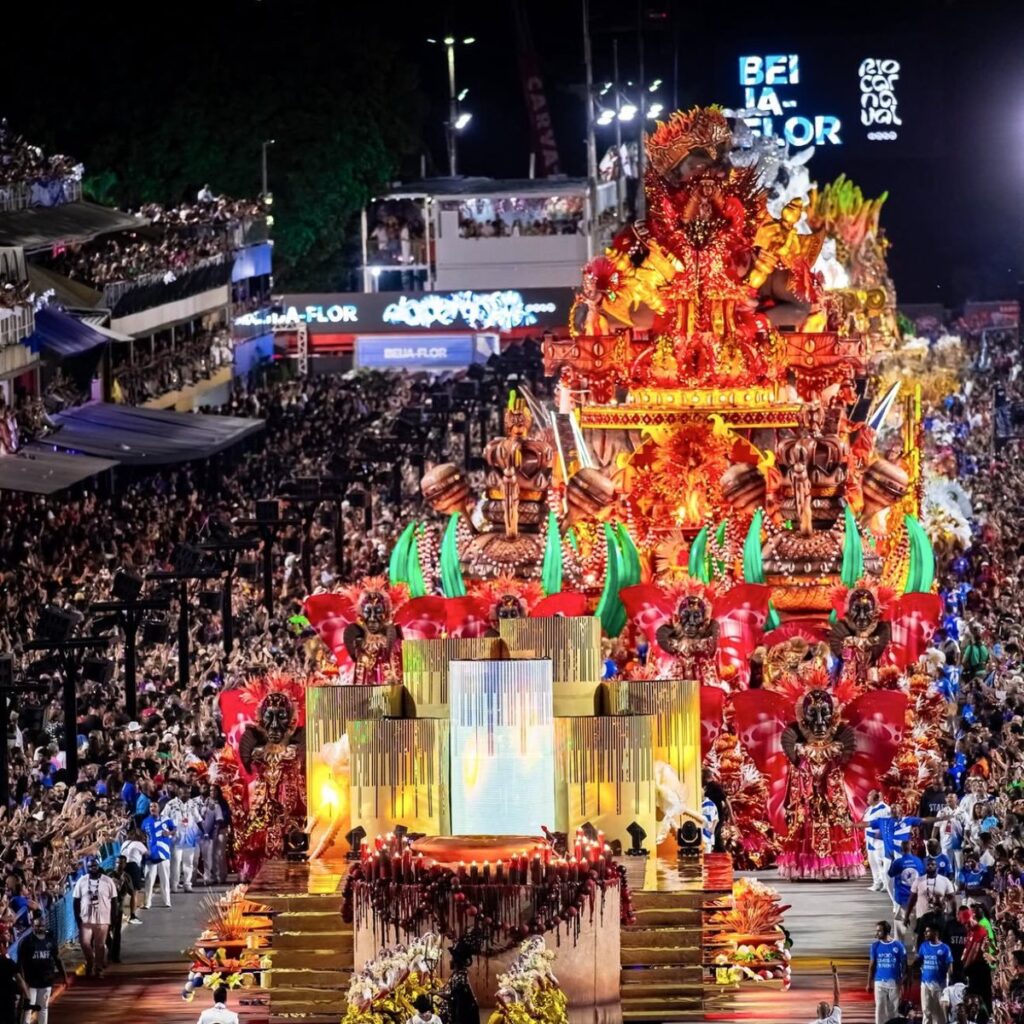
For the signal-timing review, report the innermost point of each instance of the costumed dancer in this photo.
(820, 768)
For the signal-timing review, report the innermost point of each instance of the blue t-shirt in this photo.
(942, 862)
(936, 958)
(129, 794)
(889, 958)
(142, 803)
(905, 869)
(972, 879)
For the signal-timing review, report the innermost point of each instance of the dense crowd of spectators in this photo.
(176, 239)
(373, 432)
(955, 869)
(28, 177)
(171, 367)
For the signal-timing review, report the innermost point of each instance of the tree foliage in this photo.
(326, 83)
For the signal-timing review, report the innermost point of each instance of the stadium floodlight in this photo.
(462, 120)
(654, 86)
(469, 40)
(463, 93)
(627, 112)
(606, 117)
(654, 109)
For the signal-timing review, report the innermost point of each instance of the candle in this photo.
(462, 870)
(378, 842)
(474, 871)
(499, 872)
(535, 870)
(487, 870)
(396, 867)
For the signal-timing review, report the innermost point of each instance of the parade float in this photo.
(703, 552)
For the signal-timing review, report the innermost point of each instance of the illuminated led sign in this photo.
(768, 90)
(479, 310)
(878, 104)
(476, 311)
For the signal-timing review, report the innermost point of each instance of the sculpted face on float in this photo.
(373, 610)
(818, 714)
(693, 615)
(276, 717)
(510, 607)
(862, 610)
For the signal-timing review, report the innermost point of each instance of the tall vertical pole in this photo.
(268, 570)
(5, 778)
(70, 722)
(591, 140)
(365, 239)
(453, 112)
(227, 609)
(643, 111)
(183, 634)
(618, 129)
(131, 690)
(264, 170)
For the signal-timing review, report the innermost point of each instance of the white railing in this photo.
(16, 326)
(23, 195)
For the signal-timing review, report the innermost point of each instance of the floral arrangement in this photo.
(746, 930)
(499, 904)
(528, 993)
(234, 921)
(386, 989)
(219, 969)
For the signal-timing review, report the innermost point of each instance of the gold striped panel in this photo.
(572, 644)
(606, 774)
(400, 775)
(329, 709)
(674, 706)
(425, 670)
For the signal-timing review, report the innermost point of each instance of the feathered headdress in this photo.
(884, 597)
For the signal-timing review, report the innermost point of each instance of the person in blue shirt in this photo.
(903, 872)
(942, 862)
(886, 969)
(936, 959)
(160, 837)
(972, 875)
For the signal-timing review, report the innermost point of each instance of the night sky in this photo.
(955, 215)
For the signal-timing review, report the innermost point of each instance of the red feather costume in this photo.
(821, 758)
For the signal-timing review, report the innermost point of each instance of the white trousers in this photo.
(163, 868)
(183, 863)
(887, 1000)
(932, 1010)
(879, 867)
(39, 997)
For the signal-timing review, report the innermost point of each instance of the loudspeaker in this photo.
(267, 510)
(155, 630)
(98, 670)
(57, 623)
(127, 585)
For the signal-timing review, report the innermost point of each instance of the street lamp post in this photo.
(456, 121)
(591, 138)
(266, 143)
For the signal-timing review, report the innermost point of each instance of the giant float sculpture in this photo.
(705, 550)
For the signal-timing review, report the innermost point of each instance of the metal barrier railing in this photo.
(23, 195)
